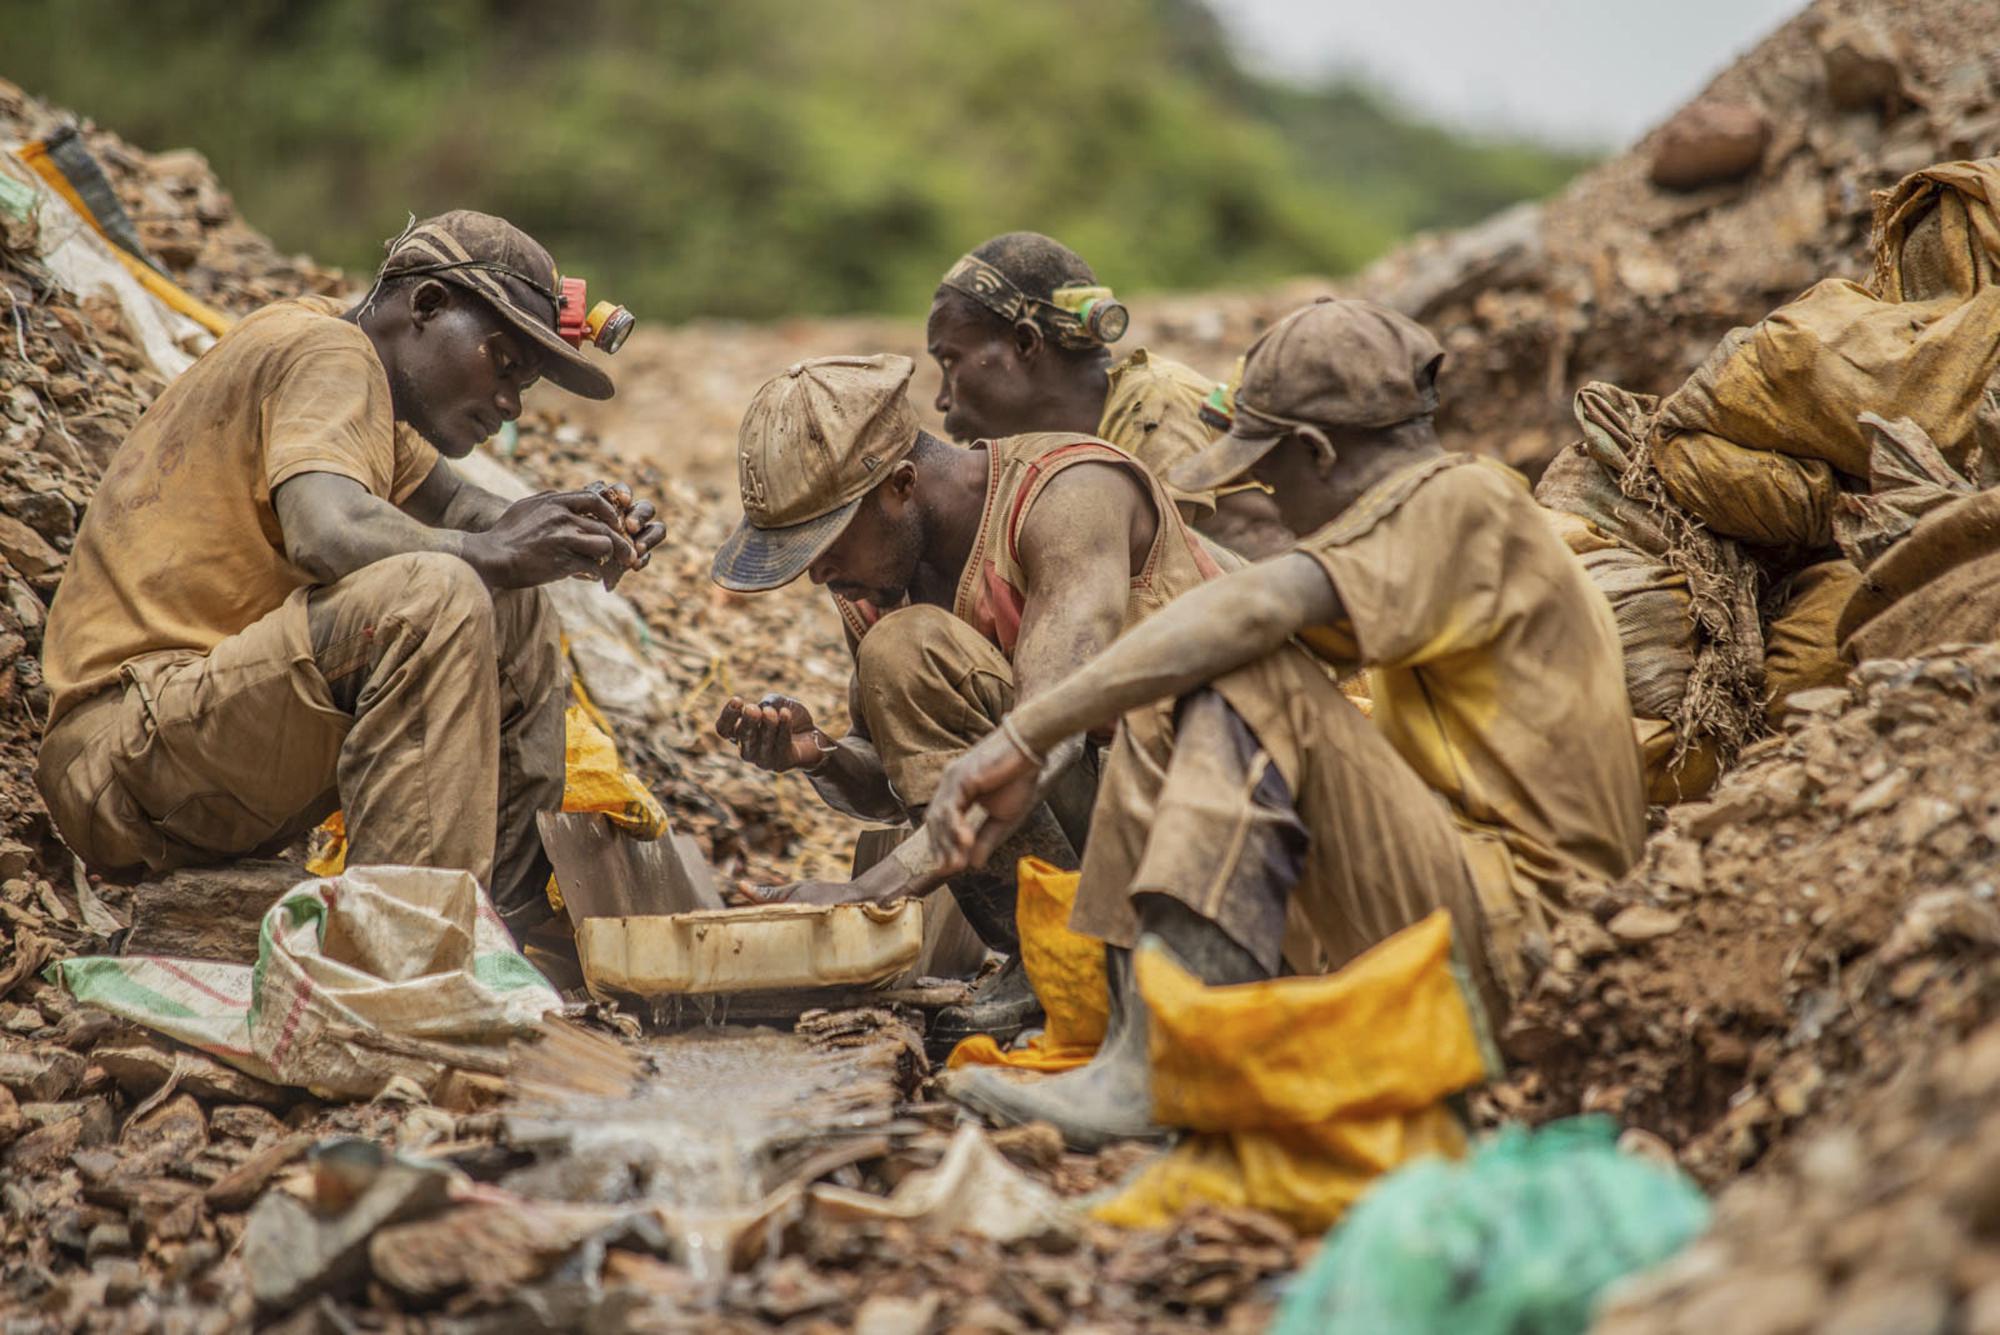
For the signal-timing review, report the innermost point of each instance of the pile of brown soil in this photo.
(1790, 943)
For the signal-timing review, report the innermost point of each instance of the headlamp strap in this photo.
(975, 278)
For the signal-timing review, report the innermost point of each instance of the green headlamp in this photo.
(1102, 315)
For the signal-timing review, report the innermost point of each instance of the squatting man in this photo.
(283, 601)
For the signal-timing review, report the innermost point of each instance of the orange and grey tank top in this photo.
(992, 590)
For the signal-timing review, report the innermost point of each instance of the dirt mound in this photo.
(72, 383)
(1888, 1222)
(1792, 942)
(1622, 280)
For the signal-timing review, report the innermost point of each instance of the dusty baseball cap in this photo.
(508, 269)
(1335, 363)
(814, 442)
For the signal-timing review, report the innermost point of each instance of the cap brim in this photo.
(1226, 460)
(565, 366)
(755, 559)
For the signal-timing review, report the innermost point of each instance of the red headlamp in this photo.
(606, 324)
(570, 309)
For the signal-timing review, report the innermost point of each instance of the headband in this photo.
(975, 278)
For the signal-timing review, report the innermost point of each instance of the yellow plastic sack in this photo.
(1301, 1091)
(1802, 646)
(593, 780)
(1065, 968)
(1297, 1180)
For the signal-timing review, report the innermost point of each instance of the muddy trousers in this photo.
(427, 708)
(1317, 814)
(930, 686)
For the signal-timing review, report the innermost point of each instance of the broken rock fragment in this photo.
(293, 1252)
(1643, 922)
(1710, 142)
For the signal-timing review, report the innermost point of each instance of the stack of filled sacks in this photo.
(1713, 518)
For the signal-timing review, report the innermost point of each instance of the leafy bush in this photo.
(761, 158)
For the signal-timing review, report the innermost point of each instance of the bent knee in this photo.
(915, 642)
(431, 588)
(527, 631)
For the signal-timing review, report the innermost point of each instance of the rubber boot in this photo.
(1111, 1098)
(1003, 1004)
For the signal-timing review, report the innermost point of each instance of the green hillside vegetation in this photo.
(763, 158)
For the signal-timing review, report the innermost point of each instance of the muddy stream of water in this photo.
(709, 1138)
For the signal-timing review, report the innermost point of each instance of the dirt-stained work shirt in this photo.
(1494, 665)
(1152, 411)
(181, 548)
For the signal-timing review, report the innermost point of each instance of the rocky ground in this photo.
(1794, 995)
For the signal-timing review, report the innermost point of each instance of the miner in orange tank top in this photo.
(967, 579)
(1021, 331)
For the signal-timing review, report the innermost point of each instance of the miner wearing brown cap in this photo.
(968, 579)
(283, 600)
(1499, 767)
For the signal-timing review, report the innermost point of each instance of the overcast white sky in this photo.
(1591, 72)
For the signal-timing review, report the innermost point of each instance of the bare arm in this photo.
(333, 526)
(1087, 532)
(1207, 632)
(446, 500)
(849, 777)
(1204, 634)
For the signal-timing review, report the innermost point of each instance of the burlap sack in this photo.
(1674, 773)
(346, 965)
(1656, 630)
(1575, 483)
(1755, 496)
(1934, 581)
(1610, 481)
(1797, 383)
(1961, 605)
(1801, 645)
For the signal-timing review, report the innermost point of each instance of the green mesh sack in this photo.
(1520, 1239)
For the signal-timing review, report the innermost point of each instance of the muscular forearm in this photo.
(851, 781)
(366, 535)
(471, 510)
(444, 499)
(1206, 633)
(915, 867)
